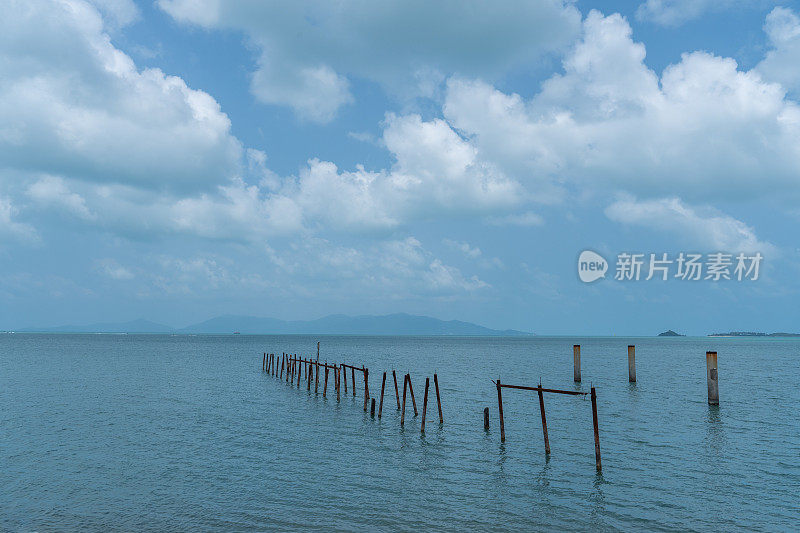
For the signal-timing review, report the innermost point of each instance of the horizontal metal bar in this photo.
(523, 387)
(353, 367)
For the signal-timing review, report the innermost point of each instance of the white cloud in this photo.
(473, 252)
(9, 227)
(700, 226)
(119, 13)
(310, 49)
(703, 128)
(782, 27)
(52, 191)
(112, 269)
(72, 104)
(676, 12)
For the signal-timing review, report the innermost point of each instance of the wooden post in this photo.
(383, 385)
(299, 370)
(396, 393)
(283, 363)
(353, 379)
(411, 390)
(372, 409)
(316, 378)
(438, 399)
(631, 363)
(338, 384)
(424, 405)
(325, 388)
(403, 410)
(596, 432)
(576, 356)
(486, 418)
(500, 409)
(366, 387)
(713, 378)
(264, 364)
(344, 372)
(544, 421)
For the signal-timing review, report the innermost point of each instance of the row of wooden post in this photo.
(294, 369)
(711, 370)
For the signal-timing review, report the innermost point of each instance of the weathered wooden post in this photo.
(396, 393)
(338, 383)
(486, 418)
(264, 364)
(544, 421)
(283, 363)
(316, 378)
(631, 363)
(411, 390)
(344, 372)
(383, 385)
(576, 356)
(309, 372)
(372, 409)
(366, 386)
(713, 378)
(596, 432)
(403, 410)
(438, 399)
(353, 379)
(424, 405)
(325, 388)
(500, 409)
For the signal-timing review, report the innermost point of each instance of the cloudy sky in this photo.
(181, 159)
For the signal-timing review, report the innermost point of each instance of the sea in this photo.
(187, 433)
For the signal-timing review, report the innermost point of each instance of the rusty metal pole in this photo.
(713, 378)
(403, 411)
(338, 371)
(411, 390)
(316, 378)
(264, 364)
(544, 421)
(283, 362)
(576, 360)
(353, 379)
(366, 387)
(596, 432)
(372, 408)
(325, 388)
(486, 418)
(424, 405)
(344, 376)
(500, 409)
(631, 363)
(438, 398)
(383, 385)
(396, 393)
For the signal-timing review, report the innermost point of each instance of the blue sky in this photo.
(182, 159)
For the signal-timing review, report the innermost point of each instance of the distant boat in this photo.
(236, 333)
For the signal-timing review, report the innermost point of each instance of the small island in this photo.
(670, 333)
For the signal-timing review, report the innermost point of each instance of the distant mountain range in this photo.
(395, 324)
(753, 334)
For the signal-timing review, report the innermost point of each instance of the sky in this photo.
(176, 160)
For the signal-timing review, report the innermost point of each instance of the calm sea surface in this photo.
(151, 432)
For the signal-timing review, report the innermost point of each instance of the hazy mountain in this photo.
(395, 324)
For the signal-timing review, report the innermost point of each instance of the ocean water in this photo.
(154, 433)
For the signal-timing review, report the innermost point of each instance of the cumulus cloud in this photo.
(309, 50)
(73, 104)
(703, 127)
(782, 27)
(52, 191)
(473, 252)
(676, 12)
(11, 228)
(112, 269)
(704, 226)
